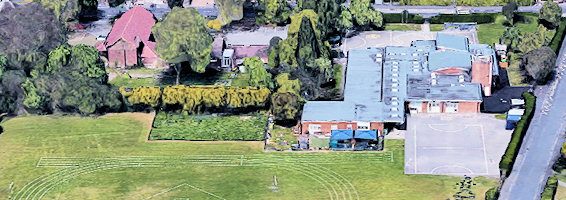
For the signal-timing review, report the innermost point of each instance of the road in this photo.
(541, 145)
(429, 11)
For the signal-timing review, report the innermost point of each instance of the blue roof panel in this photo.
(453, 42)
(342, 134)
(366, 134)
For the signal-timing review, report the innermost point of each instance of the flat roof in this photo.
(259, 37)
(439, 60)
(454, 42)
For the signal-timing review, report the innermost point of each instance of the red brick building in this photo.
(130, 41)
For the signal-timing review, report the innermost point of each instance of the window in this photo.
(334, 127)
(349, 126)
(314, 127)
(363, 125)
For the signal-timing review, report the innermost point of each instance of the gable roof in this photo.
(136, 22)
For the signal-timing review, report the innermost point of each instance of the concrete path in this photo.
(541, 145)
(425, 27)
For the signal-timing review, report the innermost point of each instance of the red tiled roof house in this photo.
(130, 41)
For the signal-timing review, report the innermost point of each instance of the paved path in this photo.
(541, 145)
(429, 11)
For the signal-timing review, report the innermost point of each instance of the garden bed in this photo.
(169, 126)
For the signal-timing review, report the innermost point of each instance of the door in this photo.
(451, 107)
(434, 107)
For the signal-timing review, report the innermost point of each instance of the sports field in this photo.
(108, 157)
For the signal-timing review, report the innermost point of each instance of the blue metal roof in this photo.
(342, 134)
(439, 60)
(366, 134)
(454, 42)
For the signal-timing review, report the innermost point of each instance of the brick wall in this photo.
(327, 126)
(469, 107)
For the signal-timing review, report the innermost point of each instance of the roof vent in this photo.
(394, 115)
(394, 98)
(461, 78)
(394, 90)
(433, 82)
(416, 70)
(395, 69)
(394, 103)
(394, 80)
(433, 75)
(394, 85)
(415, 54)
(403, 54)
(395, 62)
(415, 62)
(395, 75)
(394, 109)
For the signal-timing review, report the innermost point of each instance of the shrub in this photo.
(491, 194)
(506, 163)
(480, 18)
(214, 24)
(550, 188)
(556, 42)
(396, 18)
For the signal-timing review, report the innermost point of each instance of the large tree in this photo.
(539, 64)
(511, 37)
(229, 10)
(344, 21)
(27, 35)
(272, 12)
(327, 11)
(533, 40)
(509, 11)
(550, 14)
(364, 13)
(183, 37)
(286, 102)
(259, 77)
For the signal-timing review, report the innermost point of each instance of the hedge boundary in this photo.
(480, 18)
(396, 18)
(550, 188)
(507, 160)
(556, 42)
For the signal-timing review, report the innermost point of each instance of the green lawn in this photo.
(113, 161)
(208, 78)
(402, 27)
(436, 27)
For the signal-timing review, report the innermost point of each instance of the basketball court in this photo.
(455, 144)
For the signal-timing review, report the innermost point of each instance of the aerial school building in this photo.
(446, 75)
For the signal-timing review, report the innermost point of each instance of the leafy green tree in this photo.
(327, 11)
(3, 64)
(229, 10)
(550, 14)
(183, 37)
(307, 43)
(26, 43)
(344, 22)
(533, 40)
(69, 11)
(364, 14)
(32, 99)
(175, 3)
(11, 93)
(259, 77)
(511, 37)
(88, 60)
(286, 102)
(57, 58)
(273, 52)
(509, 11)
(272, 12)
(539, 64)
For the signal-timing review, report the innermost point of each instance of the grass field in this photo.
(108, 158)
(210, 77)
(436, 27)
(402, 27)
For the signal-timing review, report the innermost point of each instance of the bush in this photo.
(169, 126)
(556, 42)
(396, 18)
(506, 163)
(549, 189)
(491, 194)
(480, 18)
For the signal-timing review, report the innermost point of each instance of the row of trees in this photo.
(465, 2)
(194, 99)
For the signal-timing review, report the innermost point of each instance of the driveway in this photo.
(455, 144)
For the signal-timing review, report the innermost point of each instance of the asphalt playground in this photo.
(455, 144)
(397, 38)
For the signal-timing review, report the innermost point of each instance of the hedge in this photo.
(556, 42)
(549, 189)
(506, 163)
(491, 194)
(480, 18)
(396, 18)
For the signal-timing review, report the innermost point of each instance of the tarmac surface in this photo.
(542, 142)
(455, 144)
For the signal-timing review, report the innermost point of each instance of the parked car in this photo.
(101, 38)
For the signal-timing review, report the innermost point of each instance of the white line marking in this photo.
(484, 150)
(415, 145)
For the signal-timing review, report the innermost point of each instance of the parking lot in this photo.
(397, 38)
(455, 144)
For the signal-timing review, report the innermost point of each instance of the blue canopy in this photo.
(342, 134)
(513, 117)
(366, 134)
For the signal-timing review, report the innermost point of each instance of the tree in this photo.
(344, 22)
(11, 93)
(272, 12)
(511, 37)
(273, 52)
(327, 11)
(509, 11)
(539, 64)
(32, 99)
(550, 14)
(259, 77)
(88, 61)
(175, 3)
(183, 37)
(114, 3)
(364, 14)
(533, 40)
(26, 43)
(286, 102)
(68, 11)
(229, 10)
(3, 64)
(307, 43)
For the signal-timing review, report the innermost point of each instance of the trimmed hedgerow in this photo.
(549, 189)
(397, 18)
(506, 163)
(491, 194)
(480, 18)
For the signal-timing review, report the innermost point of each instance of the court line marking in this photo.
(415, 145)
